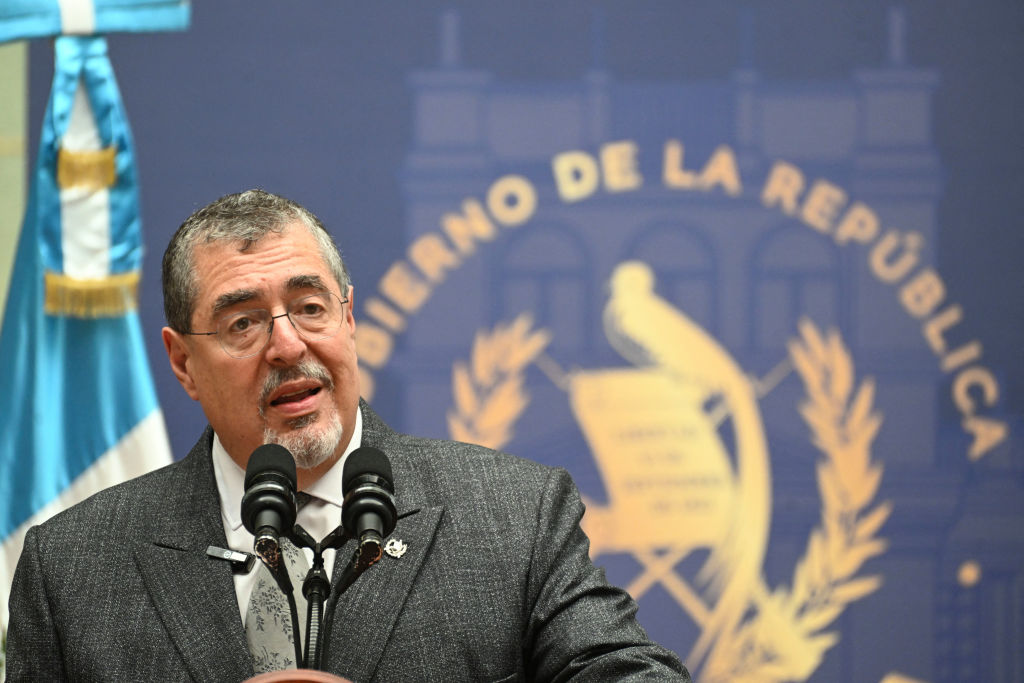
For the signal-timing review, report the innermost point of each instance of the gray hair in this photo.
(245, 217)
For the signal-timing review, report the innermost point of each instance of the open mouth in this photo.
(294, 391)
(295, 397)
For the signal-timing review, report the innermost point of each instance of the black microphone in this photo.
(268, 505)
(368, 511)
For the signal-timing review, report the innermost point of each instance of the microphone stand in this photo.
(317, 589)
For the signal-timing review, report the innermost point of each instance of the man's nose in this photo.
(285, 345)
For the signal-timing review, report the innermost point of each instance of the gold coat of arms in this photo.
(659, 432)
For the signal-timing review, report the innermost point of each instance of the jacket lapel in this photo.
(194, 594)
(366, 614)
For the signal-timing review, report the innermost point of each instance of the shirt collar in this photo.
(231, 478)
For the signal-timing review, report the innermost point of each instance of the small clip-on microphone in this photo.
(241, 563)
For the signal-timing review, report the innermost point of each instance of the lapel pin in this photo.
(396, 547)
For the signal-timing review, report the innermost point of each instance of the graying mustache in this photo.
(305, 370)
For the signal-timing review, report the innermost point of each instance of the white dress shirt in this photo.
(319, 517)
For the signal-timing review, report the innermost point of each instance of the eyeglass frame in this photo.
(270, 328)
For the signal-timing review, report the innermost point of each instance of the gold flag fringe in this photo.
(86, 168)
(106, 297)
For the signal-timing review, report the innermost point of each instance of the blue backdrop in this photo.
(385, 118)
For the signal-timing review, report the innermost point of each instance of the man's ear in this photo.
(178, 353)
(350, 315)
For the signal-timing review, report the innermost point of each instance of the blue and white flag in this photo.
(41, 18)
(77, 401)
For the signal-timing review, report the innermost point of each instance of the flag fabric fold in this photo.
(77, 400)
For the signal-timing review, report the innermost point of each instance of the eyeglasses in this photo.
(247, 333)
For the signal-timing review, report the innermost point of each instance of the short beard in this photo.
(309, 446)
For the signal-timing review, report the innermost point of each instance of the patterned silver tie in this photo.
(268, 621)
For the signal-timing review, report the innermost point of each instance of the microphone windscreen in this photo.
(365, 460)
(271, 457)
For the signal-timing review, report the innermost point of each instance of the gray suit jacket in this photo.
(496, 583)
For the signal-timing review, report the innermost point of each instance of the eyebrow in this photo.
(230, 299)
(241, 296)
(309, 281)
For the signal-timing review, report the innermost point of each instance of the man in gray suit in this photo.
(489, 576)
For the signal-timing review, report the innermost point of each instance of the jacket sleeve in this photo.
(579, 626)
(34, 648)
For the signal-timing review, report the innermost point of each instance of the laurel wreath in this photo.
(786, 639)
(488, 391)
